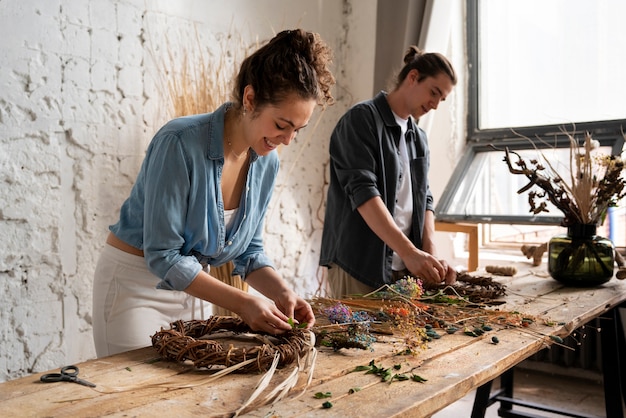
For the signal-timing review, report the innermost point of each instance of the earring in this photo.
(244, 110)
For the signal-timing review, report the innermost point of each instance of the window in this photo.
(536, 68)
(551, 62)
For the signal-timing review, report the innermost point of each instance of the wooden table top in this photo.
(455, 364)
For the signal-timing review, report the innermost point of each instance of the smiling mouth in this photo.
(270, 144)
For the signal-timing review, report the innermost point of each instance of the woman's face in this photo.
(278, 124)
(426, 95)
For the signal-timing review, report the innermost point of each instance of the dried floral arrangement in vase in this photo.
(592, 185)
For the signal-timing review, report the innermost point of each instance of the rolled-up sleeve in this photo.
(167, 185)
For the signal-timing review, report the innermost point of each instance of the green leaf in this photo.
(417, 378)
(353, 390)
(322, 395)
(451, 329)
(295, 325)
(327, 405)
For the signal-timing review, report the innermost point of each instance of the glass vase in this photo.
(580, 257)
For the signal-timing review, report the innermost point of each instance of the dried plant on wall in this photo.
(197, 79)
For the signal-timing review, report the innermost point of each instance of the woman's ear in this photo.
(248, 98)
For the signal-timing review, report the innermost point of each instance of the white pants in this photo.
(128, 308)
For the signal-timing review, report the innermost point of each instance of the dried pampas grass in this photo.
(196, 77)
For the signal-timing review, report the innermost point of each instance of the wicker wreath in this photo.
(191, 340)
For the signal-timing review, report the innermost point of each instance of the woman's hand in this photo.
(263, 315)
(259, 313)
(267, 281)
(296, 308)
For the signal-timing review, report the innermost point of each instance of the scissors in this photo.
(68, 374)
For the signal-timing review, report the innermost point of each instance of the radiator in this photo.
(583, 350)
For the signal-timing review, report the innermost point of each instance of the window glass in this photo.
(551, 62)
(488, 191)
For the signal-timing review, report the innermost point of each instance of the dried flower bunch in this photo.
(594, 182)
(409, 287)
(351, 330)
(406, 310)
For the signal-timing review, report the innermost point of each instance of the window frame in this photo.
(609, 133)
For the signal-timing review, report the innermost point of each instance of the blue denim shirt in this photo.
(364, 163)
(175, 211)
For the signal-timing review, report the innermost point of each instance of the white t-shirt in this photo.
(404, 202)
(229, 217)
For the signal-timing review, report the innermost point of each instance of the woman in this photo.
(200, 199)
(379, 222)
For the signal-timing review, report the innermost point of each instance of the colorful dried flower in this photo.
(355, 335)
(399, 312)
(339, 314)
(409, 287)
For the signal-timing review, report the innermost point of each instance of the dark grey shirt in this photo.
(364, 163)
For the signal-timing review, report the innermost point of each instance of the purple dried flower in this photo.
(339, 314)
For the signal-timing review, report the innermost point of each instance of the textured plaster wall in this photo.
(79, 102)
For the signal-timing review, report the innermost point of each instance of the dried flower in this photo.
(594, 183)
(339, 314)
(342, 314)
(398, 312)
(409, 287)
(356, 333)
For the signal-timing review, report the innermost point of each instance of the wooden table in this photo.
(453, 365)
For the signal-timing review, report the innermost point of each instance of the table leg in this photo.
(484, 398)
(611, 368)
(481, 400)
(506, 383)
(621, 347)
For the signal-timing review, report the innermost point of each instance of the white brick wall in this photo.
(78, 105)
